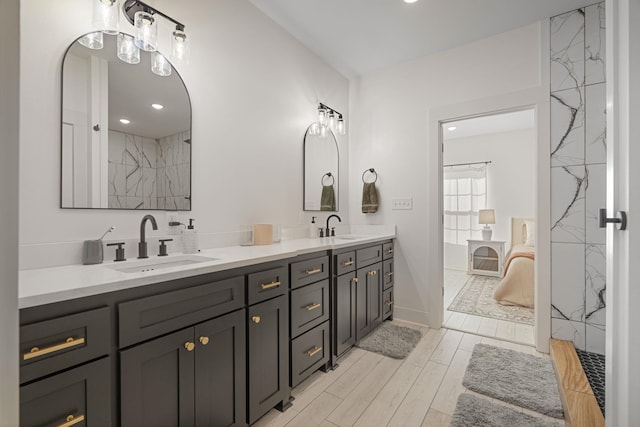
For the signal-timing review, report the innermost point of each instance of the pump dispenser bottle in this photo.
(190, 239)
(312, 228)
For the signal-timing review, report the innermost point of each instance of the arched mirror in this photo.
(126, 132)
(320, 170)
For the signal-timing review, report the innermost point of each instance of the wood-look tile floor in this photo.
(368, 389)
(520, 333)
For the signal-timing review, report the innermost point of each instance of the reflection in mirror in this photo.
(320, 170)
(126, 133)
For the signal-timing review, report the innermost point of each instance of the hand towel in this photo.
(369, 198)
(328, 198)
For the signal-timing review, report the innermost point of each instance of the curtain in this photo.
(465, 193)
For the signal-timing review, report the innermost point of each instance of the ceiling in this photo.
(495, 123)
(360, 36)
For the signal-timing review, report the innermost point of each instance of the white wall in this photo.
(390, 133)
(510, 181)
(254, 90)
(9, 118)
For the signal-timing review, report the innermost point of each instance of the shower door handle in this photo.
(620, 219)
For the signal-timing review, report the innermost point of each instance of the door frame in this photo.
(538, 100)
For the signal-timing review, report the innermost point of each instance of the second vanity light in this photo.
(328, 118)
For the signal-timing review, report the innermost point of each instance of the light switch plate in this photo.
(402, 203)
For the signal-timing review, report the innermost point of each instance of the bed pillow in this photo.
(530, 233)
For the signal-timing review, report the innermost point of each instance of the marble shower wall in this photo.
(578, 177)
(146, 173)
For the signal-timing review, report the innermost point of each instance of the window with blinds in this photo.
(465, 193)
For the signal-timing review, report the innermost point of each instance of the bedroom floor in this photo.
(515, 332)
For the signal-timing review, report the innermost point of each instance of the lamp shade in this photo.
(487, 216)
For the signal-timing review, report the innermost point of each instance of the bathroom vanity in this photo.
(216, 342)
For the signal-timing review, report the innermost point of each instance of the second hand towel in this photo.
(369, 198)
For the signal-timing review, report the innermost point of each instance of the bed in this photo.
(517, 286)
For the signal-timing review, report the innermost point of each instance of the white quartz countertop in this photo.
(48, 285)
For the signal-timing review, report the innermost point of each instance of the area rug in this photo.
(391, 340)
(478, 412)
(476, 297)
(521, 379)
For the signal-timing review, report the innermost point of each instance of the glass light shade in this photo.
(322, 116)
(486, 216)
(160, 65)
(105, 16)
(341, 127)
(92, 40)
(146, 31)
(323, 131)
(332, 120)
(179, 46)
(127, 50)
(314, 129)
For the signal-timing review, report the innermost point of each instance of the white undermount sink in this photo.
(350, 237)
(155, 264)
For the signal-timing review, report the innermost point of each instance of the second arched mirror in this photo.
(321, 182)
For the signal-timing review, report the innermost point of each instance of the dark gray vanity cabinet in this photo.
(368, 299)
(345, 312)
(195, 376)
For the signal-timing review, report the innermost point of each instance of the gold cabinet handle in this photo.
(204, 340)
(312, 306)
(314, 351)
(389, 273)
(389, 251)
(314, 271)
(255, 319)
(347, 263)
(372, 273)
(71, 420)
(270, 285)
(189, 346)
(354, 280)
(37, 352)
(389, 303)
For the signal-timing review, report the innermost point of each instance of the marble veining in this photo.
(594, 44)
(596, 124)
(567, 281)
(567, 127)
(568, 203)
(567, 50)
(569, 330)
(595, 198)
(596, 286)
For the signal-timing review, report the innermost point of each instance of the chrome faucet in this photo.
(327, 229)
(142, 244)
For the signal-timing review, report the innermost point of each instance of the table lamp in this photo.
(486, 217)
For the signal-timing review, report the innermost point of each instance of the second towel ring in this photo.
(328, 175)
(371, 170)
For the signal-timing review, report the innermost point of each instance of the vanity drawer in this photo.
(368, 256)
(305, 272)
(62, 342)
(80, 397)
(387, 303)
(156, 315)
(387, 250)
(267, 284)
(309, 352)
(387, 273)
(309, 307)
(345, 262)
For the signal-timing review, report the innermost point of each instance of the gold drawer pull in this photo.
(269, 285)
(255, 319)
(189, 346)
(389, 302)
(354, 280)
(347, 263)
(389, 273)
(315, 351)
(389, 251)
(312, 306)
(204, 340)
(36, 352)
(314, 271)
(372, 273)
(71, 420)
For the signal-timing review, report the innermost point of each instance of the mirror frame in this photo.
(304, 171)
(174, 70)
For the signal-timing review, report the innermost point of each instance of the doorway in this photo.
(489, 176)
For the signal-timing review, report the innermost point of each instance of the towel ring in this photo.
(373, 171)
(328, 175)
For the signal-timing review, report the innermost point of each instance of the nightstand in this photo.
(485, 257)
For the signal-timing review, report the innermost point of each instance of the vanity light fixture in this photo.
(127, 50)
(160, 65)
(125, 121)
(327, 116)
(105, 16)
(157, 106)
(92, 40)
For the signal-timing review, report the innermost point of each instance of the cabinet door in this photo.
(374, 286)
(363, 317)
(157, 382)
(345, 312)
(82, 394)
(268, 355)
(220, 369)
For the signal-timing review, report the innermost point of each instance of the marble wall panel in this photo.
(595, 284)
(568, 204)
(567, 50)
(595, 198)
(596, 123)
(567, 127)
(571, 331)
(567, 278)
(594, 44)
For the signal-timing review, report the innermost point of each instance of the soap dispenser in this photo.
(190, 239)
(312, 228)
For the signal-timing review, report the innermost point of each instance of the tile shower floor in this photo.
(519, 333)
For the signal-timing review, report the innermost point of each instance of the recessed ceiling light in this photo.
(157, 106)
(125, 121)
(410, 1)
(452, 128)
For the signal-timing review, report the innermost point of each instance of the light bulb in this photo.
(92, 40)
(341, 127)
(179, 46)
(322, 115)
(313, 129)
(323, 131)
(146, 31)
(127, 50)
(160, 65)
(105, 16)
(332, 120)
